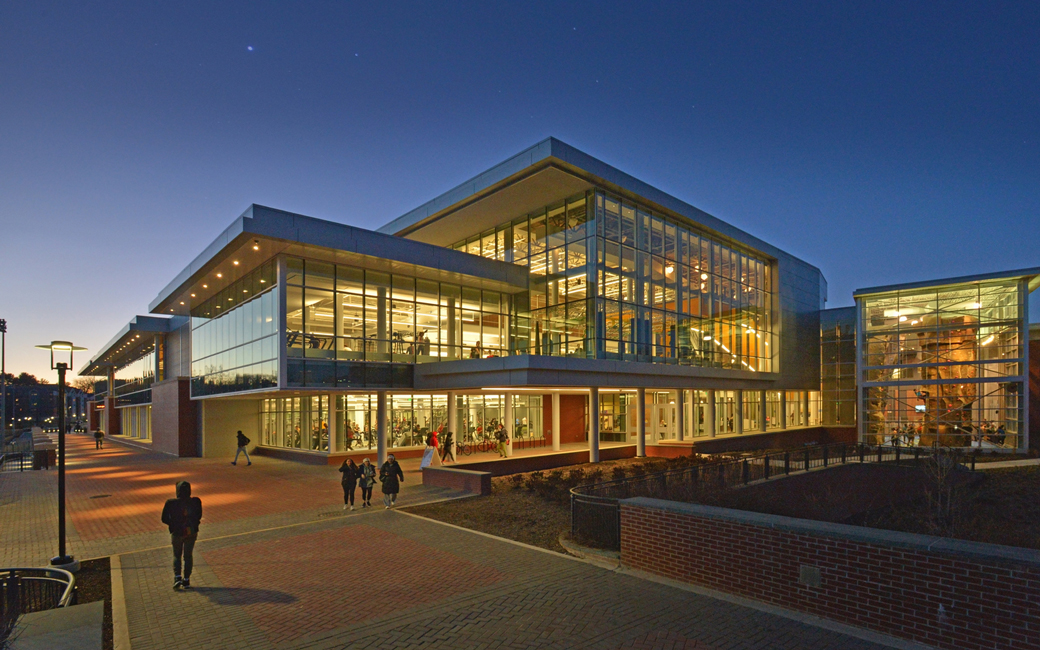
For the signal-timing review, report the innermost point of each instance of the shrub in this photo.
(618, 473)
(595, 476)
(535, 480)
(517, 481)
(575, 477)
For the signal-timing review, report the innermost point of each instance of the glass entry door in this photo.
(664, 421)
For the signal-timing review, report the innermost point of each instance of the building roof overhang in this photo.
(1031, 276)
(134, 340)
(547, 172)
(262, 233)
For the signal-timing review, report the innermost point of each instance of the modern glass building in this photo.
(946, 362)
(553, 293)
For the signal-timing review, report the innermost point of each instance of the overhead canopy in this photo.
(262, 233)
(133, 341)
(547, 172)
(1032, 276)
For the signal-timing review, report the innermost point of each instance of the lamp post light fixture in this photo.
(63, 560)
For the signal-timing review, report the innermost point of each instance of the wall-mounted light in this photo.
(256, 244)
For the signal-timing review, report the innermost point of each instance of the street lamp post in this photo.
(63, 560)
(3, 381)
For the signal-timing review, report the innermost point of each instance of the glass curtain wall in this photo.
(234, 342)
(663, 292)
(295, 422)
(136, 422)
(838, 365)
(339, 314)
(944, 366)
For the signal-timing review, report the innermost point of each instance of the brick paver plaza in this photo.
(279, 565)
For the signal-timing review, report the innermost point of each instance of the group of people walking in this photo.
(352, 474)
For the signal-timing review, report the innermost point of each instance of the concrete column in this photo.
(680, 415)
(453, 423)
(508, 421)
(709, 415)
(641, 422)
(594, 425)
(738, 406)
(783, 409)
(109, 425)
(381, 417)
(556, 421)
(333, 421)
(765, 403)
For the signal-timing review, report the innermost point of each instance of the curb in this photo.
(120, 625)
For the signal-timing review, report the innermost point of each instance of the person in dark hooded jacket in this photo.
(182, 515)
(392, 477)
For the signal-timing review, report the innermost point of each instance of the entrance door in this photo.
(664, 421)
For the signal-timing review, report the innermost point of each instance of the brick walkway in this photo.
(279, 567)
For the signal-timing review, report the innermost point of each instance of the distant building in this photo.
(29, 406)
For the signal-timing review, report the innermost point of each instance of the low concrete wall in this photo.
(549, 460)
(458, 479)
(940, 592)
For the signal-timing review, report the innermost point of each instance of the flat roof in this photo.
(1031, 274)
(544, 173)
(261, 233)
(131, 343)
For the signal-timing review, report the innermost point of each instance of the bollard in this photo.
(844, 451)
(973, 455)
(879, 453)
(765, 467)
(807, 459)
(744, 471)
(787, 463)
(825, 455)
(862, 452)
(917, 454)
(897, 454)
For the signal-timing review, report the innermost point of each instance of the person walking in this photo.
(446, 447)
(242, 443)
(99, 439)
(367, 478)
(391, 476)
(349, 480)
(182, 515)
(500, 436)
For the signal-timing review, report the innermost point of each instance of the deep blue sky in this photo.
(882, 142)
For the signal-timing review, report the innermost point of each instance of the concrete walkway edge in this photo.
(120, 626)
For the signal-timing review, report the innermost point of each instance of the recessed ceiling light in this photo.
(235, 262)
(205, 286)
(192, 295)
(182, 302)
(220, 275)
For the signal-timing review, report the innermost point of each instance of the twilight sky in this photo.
(883, 142)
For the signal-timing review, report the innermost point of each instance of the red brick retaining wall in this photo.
(940, 592)
(458, 479)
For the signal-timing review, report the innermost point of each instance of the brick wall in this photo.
(174, 419)
(458, 479)
(940, 592)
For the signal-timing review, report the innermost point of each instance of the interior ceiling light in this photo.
(902, 319)
(974, 305)
(704, 276)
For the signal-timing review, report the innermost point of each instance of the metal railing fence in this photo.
(595, 508)
(25, 590)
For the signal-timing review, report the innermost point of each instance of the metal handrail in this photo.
(28, 589)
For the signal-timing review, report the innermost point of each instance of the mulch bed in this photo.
(515, 514)
(94, 583)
